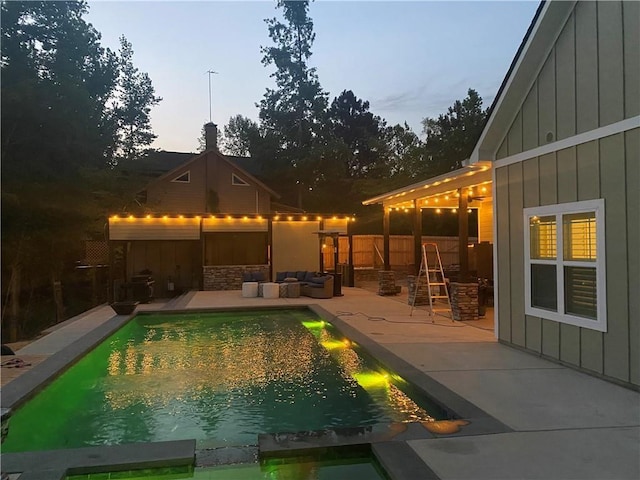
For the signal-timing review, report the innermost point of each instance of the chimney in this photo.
(210, 136)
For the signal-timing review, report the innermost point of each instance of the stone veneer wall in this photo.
(464, 301)
(386, 282)
(422, 297)
(229, 277)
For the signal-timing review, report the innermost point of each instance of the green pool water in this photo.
(311, 467)
(220, 378)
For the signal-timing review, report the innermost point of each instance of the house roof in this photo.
(224, 158)
(538, 42)
(157, 162)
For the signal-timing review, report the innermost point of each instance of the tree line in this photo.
(75, 115)
(72, 111)
(318, 149)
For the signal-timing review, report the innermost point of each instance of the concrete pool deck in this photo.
(563, 424)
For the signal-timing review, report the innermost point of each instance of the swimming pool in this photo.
(220, 378)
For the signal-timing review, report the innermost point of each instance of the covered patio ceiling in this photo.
(441, 191)
(460, 190)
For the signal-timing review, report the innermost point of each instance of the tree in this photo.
(58, 86)
(351, 123)
(293, 111)
(452, 136)
(131, 109)
(56, 82)
(406, 152)
(241, 136)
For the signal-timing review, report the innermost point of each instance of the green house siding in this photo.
(579, 86)
(608, 168)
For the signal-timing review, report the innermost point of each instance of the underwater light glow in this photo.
(314, 324)
(372, 379)
(333, 344)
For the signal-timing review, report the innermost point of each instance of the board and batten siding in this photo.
(249, 198)
(180, 261)
(607, 168)
(579, 86)
(167, 196)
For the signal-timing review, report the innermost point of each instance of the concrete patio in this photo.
(565, 424)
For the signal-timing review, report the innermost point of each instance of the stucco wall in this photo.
(295, 246)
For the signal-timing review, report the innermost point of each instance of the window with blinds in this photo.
(580, 291)
(543, 237)
(565, 265)
(579, 236)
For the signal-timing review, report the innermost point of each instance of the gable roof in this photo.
(156, 162)
(540, 38)
(222, 157)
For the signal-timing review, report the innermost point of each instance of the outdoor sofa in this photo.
(312, 284)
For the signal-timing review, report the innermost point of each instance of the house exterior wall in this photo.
(580, 86)
(249, 198)
(207, 173)
(179, 260)
(485, 221)
(154, 228)
(589, 81)
(295, 246)
(167, 196)
(606, 168)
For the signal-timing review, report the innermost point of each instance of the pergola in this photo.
(459, 190)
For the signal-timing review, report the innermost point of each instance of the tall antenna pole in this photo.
(210, 72)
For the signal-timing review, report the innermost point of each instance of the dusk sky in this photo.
(410, 60)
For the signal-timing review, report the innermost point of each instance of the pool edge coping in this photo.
(23, 388)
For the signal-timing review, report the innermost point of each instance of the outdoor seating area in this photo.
(288, 285)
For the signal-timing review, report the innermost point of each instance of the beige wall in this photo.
(485, 221)
(295, 246)
(580, 86)
(154, 228)
(235, 225)
(608, 168)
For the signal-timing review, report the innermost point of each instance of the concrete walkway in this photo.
(566, 424)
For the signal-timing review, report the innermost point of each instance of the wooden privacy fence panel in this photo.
(368, 250)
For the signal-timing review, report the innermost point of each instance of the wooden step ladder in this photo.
(431, 269)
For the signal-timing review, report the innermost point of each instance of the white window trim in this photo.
(597, 206)
(188, 180)
(237, 181)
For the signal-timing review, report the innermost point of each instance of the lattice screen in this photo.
(96, 252)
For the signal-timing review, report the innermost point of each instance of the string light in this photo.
(298, 217)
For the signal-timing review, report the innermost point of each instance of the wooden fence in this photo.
(368, 250)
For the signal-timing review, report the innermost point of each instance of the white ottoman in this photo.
(270, 290)
(250, 289)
